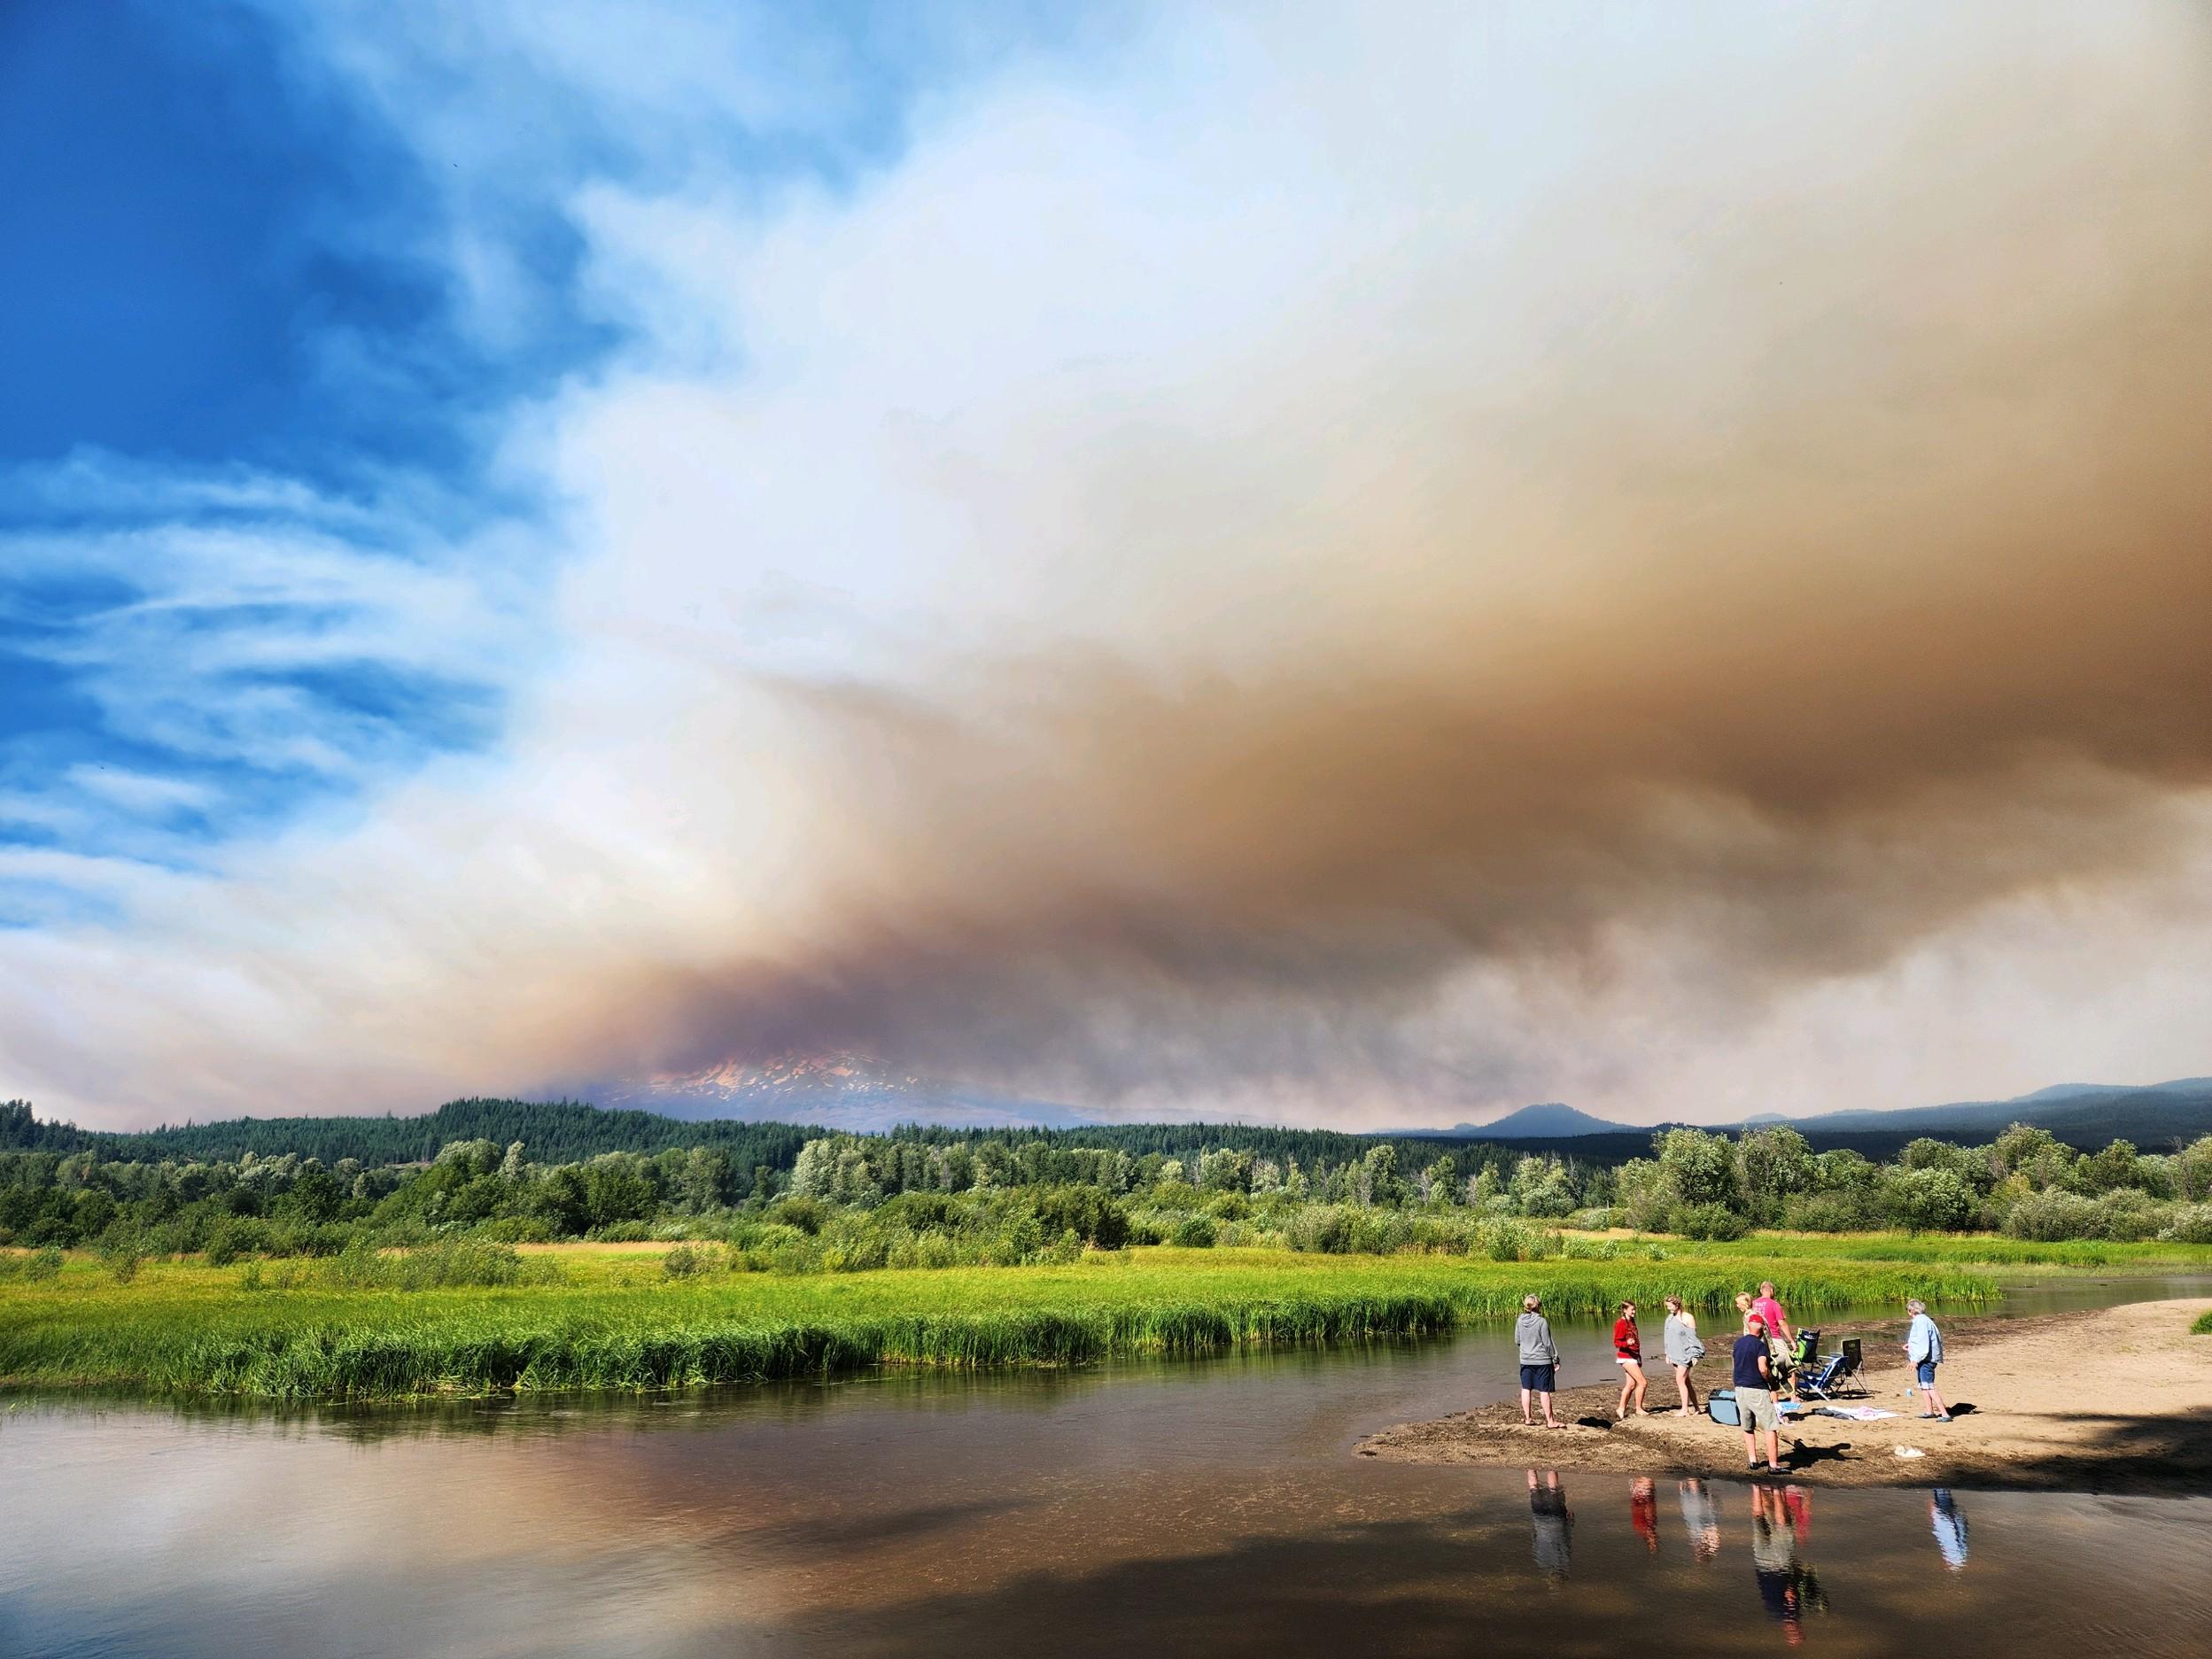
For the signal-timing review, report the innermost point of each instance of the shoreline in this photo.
(2113, 1400)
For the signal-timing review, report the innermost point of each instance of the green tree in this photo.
(1930, 1200)
(1700, 1167)
(1773, 1163)
(315, 1196)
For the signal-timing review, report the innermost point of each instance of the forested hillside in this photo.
(557, 1132)
(563, 1132)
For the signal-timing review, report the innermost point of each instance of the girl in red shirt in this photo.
(1628, 1353)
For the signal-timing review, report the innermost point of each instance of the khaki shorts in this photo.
(1755, 1405)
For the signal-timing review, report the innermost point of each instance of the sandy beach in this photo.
(2117, 1400)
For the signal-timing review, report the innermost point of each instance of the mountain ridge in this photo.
(857, 1093)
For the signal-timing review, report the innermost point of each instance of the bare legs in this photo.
(1687, 1391)
(1936, 1406)
(1529, 1396)
(1750, 1446)
(1633, 1381)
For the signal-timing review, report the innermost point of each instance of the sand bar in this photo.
(2115, 1399)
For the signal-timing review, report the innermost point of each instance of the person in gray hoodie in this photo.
(1540, 1361)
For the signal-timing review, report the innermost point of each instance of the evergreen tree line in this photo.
(557, 1132)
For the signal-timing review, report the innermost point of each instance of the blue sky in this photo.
(219, 315)
(230, 308)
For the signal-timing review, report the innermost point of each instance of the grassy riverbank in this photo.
(615, 1319)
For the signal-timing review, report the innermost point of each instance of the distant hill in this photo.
(552, 1132)
(2152, 1115)
(840, 1091)
(1550, 1122)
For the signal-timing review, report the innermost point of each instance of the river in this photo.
(1209, 1507)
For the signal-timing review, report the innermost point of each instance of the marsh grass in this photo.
(619, 1320)
(1957, 1249)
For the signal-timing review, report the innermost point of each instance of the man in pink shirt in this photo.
(1770, 1310)
(1780, 1337)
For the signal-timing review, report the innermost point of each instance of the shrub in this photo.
(1506, 1241)
(1322, 1229)
(233, 1237)
(517, 1229)
(2055, 1214)
(2188, 1224)
(121, 1251)
(1839, 1212)
(622, 1233)
(38, 1265)
(450, 1263)
(688, 1262)
(1095, 1218)
(2129, 1215)
(1714, 1221)
(807, 1215)
(1193, 1232)
(1596, 1219)
(1148, 1227)
(854, 1245)
(1930, 1198)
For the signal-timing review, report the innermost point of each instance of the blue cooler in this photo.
(1720, 1406)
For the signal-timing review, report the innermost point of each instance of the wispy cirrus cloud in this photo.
(202, 655)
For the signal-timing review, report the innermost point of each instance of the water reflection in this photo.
(1643, 1511)
(1949, 1522)
(1781, 1528)
(1551, 1523)
(1158, 1509)
(1701, 1519)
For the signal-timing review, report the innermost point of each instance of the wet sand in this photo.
(2117, 1400)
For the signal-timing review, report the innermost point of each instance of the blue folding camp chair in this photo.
(1837, 1375)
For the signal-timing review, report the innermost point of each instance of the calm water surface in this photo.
(1183, 1508)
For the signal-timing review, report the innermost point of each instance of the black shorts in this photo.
(1539, 1377)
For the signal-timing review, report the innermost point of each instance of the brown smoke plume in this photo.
(1896, 606)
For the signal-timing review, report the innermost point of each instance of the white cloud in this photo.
(1178, 362)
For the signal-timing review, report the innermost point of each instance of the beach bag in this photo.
(1721, 1408)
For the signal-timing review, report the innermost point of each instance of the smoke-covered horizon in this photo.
(1357, 576)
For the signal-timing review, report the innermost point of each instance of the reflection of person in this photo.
(1683, 1350)
(1949, 1522)
(1551, 1523)
(1540, 1360)
(1785, 1584)
(1754, 1378)
(1643, 1511)
(1701, 1519)
(1628, 1354)
(1924, 1348)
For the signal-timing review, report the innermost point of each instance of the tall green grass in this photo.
(622, 1323)
(1967, 1249)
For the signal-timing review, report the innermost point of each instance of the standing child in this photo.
(1683, 1350)
(1924, 1349)
(1628, 1353)
(1540, 1361)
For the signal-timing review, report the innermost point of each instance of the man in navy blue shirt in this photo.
(1755, 1394)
